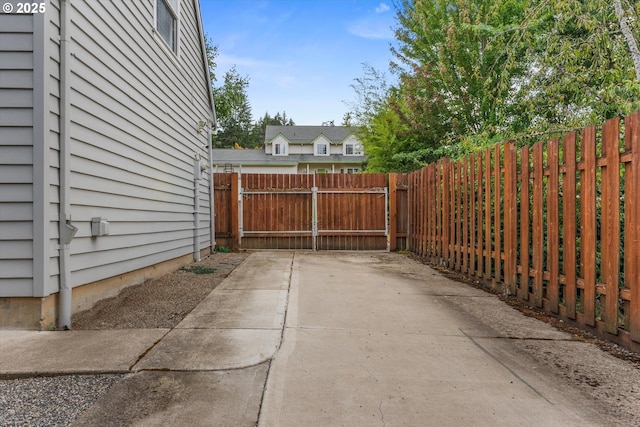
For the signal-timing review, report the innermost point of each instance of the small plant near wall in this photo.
(223, 249)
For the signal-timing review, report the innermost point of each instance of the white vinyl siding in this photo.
(134, 134)
(16, 155)
(135, 109)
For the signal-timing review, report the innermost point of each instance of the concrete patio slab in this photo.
(211, 349)
(261, 270)
(229, 398)
(239, 308)
(29, 353)
(327, 377)
(363, 346)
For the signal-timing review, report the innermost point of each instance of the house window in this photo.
(279, 150)
(352, 170)
(321, 149)
(352, 150)
(167, 22)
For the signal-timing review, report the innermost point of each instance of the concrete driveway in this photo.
(341, 339)
(372, 339)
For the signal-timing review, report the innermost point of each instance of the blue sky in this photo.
(300, 56)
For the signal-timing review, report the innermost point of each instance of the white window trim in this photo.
(174, 7)
(319, 143)
(357, 148)
(283, 145)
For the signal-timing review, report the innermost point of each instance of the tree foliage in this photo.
(233, 110)
(211, 51)
(475, 72)
(580, 63)
(260, 127)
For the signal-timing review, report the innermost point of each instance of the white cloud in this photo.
(371, 29)
(373, 26)
(286, 82)
(231, 60)
(382, 8)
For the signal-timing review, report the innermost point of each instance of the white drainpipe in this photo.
(197, 173)
(66, 230)
(212, 218)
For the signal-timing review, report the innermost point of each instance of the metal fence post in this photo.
(314, 217)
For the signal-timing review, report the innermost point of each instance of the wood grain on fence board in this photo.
(553, 218)
(588, 222)
(632, 224)
(610, 215)
(523, 290)
(569, 216)
(538, 235)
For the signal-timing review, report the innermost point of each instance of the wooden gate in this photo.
(324, 212)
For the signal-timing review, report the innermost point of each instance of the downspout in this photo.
(197, 173)
(212, 215)
(66, 230)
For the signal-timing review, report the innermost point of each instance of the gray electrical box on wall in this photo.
(99, 226)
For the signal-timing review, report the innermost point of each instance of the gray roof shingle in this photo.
(259, 157)
(307, 134)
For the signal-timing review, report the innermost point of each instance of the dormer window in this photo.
(352, 149)
(279, 149)
(321, 149)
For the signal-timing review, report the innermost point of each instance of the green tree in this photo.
(212, 53)
(454, 74)
(456, 85)
(233, 111)
(260, 127)
(580, 56)
(476, 72)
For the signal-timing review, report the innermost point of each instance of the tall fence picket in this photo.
(556, 224)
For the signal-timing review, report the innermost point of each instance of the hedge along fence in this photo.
(556, 224)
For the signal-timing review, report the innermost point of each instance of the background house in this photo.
(105, 117)
(297, 149)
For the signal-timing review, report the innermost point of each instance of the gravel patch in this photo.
(50, 401)
(161, 302)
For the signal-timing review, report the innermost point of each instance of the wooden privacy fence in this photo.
(557, 224)
(305, 211)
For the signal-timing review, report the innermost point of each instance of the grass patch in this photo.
(198, 269)
(222, 249)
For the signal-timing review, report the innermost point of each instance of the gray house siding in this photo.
(133, 137)
(17, 155)
(135, 112)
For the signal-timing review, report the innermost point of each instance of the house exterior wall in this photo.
(327, 167)
(258, 168)
(134, 133)
(135, 113)
(335, 149)
(301, 149)
(19, 154)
